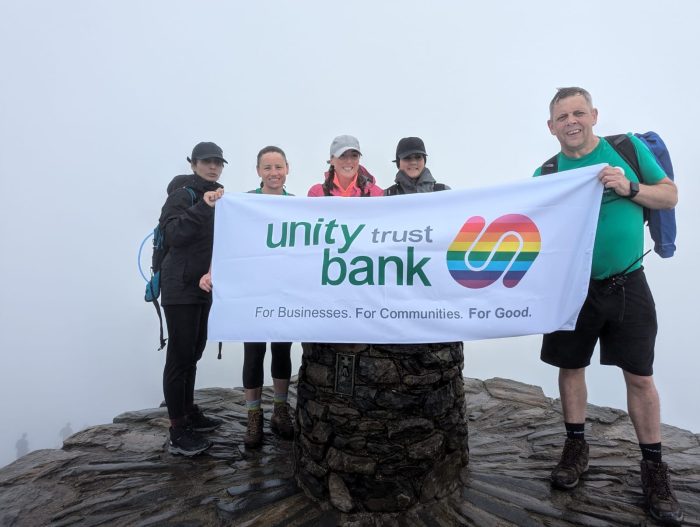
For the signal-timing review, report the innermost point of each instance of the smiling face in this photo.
(572, 122)
(208, 169)
(412, 165)
(273, 170)
(347, 165)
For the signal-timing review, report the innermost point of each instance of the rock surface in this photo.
(120, 474)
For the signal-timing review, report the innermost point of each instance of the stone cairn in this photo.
(381, 428)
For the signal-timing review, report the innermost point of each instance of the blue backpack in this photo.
(661, 223)
(160, 249)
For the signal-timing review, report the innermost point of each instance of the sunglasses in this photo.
(413, 157)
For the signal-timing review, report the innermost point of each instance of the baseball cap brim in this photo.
(207, 157)
(410, 153)
(344, 149)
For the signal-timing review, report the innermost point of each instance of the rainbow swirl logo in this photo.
(478, 256)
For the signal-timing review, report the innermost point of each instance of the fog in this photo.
(102, 101)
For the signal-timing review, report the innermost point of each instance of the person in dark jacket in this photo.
(187, 220)
(413, 176)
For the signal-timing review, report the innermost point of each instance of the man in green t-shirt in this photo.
(619, 309)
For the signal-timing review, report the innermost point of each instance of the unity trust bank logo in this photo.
(479, 256)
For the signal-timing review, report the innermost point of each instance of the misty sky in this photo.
(102, 101)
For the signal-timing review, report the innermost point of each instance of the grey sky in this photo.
(102, 101)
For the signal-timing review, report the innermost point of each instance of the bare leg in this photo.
(253, 394)
(573, 393)
(643, 407)
(281, 385)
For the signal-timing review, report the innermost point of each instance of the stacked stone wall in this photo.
(380, 427)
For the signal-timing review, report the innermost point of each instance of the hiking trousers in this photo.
(187, 336)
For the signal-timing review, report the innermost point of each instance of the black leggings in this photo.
(254, 356)
(187, 336)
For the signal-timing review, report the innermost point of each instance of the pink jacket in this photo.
(371, 188)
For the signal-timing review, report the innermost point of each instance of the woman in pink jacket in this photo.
(346, 177)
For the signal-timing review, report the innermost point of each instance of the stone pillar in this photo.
(381, 427)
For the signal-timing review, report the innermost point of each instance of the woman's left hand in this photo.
(205, 282)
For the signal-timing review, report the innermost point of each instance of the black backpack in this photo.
(395, 189)
(160, 249)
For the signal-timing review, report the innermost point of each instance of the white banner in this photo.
(455, 265)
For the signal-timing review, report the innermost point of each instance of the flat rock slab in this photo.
(121, 473)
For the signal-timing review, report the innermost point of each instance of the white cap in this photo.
(343, 143)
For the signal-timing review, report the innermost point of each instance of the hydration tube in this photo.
(138, 258)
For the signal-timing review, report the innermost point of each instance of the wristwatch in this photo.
(634, 189)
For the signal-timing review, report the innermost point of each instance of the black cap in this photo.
(408, 146)
(206, 150)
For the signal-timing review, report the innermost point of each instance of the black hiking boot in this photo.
(658, 494)
(186, 442)
(573, 463)
(199, 422)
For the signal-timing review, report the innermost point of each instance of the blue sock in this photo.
(253, 405)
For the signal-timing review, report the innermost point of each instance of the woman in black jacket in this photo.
(187, 220)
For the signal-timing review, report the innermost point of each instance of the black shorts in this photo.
(622, 317)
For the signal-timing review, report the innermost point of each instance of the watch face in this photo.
(634, 189)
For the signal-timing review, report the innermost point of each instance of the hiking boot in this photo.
(281, 422)
(199, 422)
(254, 433)
(658, 494)
(573, 463)
(186, 442)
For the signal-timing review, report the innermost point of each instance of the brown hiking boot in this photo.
(658, 494)
(254, 433)
(281, 422)
(573, 463)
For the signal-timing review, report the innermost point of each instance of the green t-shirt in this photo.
(619, 239)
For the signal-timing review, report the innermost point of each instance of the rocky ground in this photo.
(121, 474)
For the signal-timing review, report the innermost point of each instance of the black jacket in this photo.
(189, 235)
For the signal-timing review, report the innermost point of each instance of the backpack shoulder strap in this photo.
(393, 190)
(550, 166)
(623, 145)
(192, 194)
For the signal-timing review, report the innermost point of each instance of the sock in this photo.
(575, 430)
(253, 405)
(280, 398)
(651, 452)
